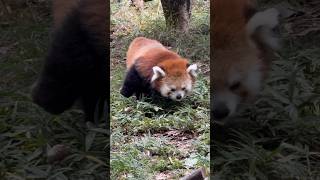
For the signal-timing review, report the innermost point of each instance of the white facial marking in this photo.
(157, 72)
(192, 70)
(164, 89)
(176, 93)
(251, 81)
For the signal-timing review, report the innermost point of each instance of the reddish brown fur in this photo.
(61, 9)
(146, 53)
(242, 44)
(92, 13)
(229, 22)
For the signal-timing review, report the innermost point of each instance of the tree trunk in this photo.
(177, 14)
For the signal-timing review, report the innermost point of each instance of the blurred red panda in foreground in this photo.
(75, 68)
(152, 68)
(242, 42)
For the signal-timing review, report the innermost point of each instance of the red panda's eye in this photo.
(235, 86)
(183, 89)
(173, 89)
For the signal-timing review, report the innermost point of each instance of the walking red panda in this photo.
(76, 66)
(242, 42)
(152, 68)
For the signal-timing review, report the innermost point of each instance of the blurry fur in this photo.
(242, 41)
(75, 68)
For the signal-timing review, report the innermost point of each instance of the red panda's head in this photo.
(235, 83)
(174, 78)
(240, 62)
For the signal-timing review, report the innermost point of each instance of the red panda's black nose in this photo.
(220, 111)
(179, 96)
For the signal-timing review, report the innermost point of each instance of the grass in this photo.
(27, 133)
(163, 140)
(278, 138)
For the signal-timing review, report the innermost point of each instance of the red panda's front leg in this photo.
(132, 83)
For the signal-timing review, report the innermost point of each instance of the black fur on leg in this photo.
(133, 83)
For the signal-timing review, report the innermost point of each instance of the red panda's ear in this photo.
(192, 70)
(157, 73)
(261, 25)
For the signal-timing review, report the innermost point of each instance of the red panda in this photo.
(153, 68)
(242, 41)
(75, 68)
